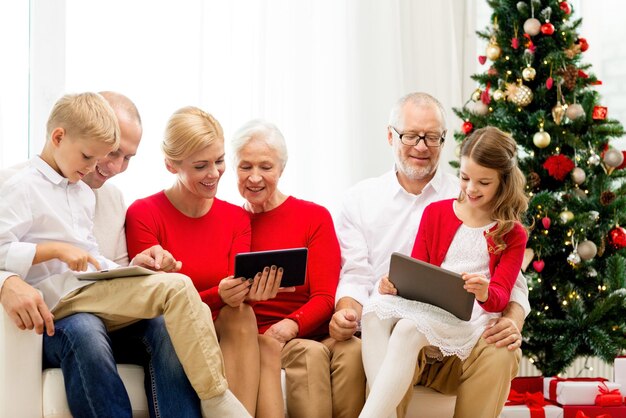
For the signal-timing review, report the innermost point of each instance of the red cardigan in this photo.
(206, 245)
(298, 223)
(434, 237)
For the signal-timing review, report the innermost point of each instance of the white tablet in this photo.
(131, 271)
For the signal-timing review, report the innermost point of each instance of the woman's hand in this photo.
(266, 284)
(233, 291)
(386, 287)
(477, 284)
(283, 331)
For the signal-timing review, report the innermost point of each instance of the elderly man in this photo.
(80, 344)
(381, 215)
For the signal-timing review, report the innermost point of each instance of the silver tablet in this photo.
(131, 271)
(424, 282)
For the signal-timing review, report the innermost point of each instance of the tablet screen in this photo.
(292, 260)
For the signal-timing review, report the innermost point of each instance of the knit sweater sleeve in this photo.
(141, 227)
(324, 263)
(504, 268)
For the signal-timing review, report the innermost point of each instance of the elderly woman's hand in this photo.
(283, 331)
(386, 287)
(266, 284)
(233, 291)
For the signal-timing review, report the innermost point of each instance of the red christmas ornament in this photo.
(559, 166)
(538, 265)
(546, 221)
(547, 28)
(565, 7)
(622, 165)
(549, 83)
(515, 43)
(482, 59)
(617, 237)
(467, 127)
(599, 112)
(584, 45)
(582, 74)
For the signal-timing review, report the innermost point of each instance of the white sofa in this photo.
(26, 392)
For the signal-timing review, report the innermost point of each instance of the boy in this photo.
(46, 233)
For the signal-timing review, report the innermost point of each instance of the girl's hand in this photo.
(477, 284)
(233, 291)
(266, 284)
(386, 287)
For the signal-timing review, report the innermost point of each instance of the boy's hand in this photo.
(477, 284)
(76, 258)
(156, 258)
(233, 291)
(24, 304)
(386, 287)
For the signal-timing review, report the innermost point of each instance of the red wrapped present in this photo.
(594, 411)
(608, 397)
(574, 391)
(530, 384)
(529, 405)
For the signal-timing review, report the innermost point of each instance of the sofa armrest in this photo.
(20, 370)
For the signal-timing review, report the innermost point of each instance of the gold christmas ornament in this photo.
(541, 139)
(529, 73)
(566, 216)
(532, 26)
(578, 175)
(587, 250)
(613, 157)
(498, 95)
(521, 95)
(574, 111)
(558, 111)
(476, 95)
(493, 50)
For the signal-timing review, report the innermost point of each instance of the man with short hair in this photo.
(380, 216)
(80, 344)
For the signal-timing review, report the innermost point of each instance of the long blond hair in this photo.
(189, 130)
(491, 148)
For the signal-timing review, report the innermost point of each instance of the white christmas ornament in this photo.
(587, 250)
(532, 26)
(613, 157)
(578, 175)
(574, 111)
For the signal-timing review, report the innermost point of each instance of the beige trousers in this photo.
(324, 379)
(481, 383)
(121, 302)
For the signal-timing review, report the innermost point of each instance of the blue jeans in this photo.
(87, 355)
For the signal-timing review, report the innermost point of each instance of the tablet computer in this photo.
(131, 271)
(292, 260)
(424, 282)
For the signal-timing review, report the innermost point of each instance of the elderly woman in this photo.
(299, 320)
(206, 233)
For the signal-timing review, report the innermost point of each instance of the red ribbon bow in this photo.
(608, 397)
(534, 401)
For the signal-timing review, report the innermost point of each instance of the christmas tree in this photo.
(538, 88)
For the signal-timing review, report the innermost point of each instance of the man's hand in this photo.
(506, 331)
(283, 331)
(156, 258)
(24, 304)
(343, 324)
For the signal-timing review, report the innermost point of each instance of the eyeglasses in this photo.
(431, 139)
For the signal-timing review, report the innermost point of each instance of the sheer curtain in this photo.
(326, 72)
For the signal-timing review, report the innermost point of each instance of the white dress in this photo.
(467, 253)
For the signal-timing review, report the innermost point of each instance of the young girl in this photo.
(479, 235)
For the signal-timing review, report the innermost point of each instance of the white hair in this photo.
(264, 131)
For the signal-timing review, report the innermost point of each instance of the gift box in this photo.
(529, 405)
(619, 371)
(593, 411)
(574, 391)
(530, 384)
(608, 397)
(522, 411)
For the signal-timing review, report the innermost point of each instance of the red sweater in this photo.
(206, 245)
(298, 223)
(436, 232)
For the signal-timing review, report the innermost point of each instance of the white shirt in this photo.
(109, 220)
(39, 205)
(379, 217)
